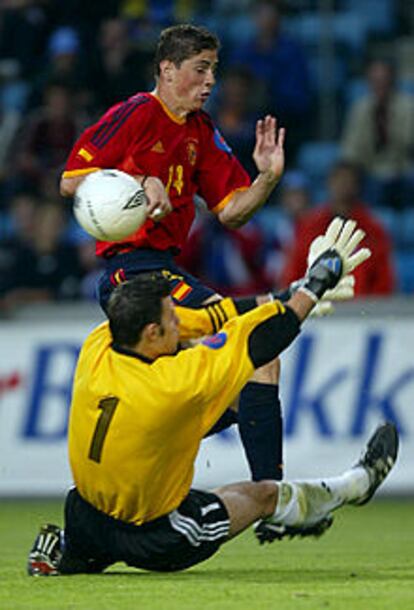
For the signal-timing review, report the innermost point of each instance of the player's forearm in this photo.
(68, 186)
(244, 204)
(273, 335)
(302, 304)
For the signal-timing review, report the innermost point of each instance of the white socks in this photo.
(306, 502)
(349, 486)
(288, 508)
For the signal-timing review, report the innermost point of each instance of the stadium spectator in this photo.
(23, 33)
(22, 208)
(66, 63)
(145, 512)
(281, 223)
(87, 16)
(118, 69)
(41, 267)
(235, 112)
(276, 58)
(376, 277)
(232, 262)
(164, 12)
(295, 197)
(379, 136)
(91, 268)
(16, 232)
(295, 201)
(45, 136)
(9, 124)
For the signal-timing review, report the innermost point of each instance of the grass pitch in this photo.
(365, 562)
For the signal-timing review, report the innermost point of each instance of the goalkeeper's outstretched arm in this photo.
(337, 247)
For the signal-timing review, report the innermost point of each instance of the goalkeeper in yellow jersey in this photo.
(139, 411)
(259, 413)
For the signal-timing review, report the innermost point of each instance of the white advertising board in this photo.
(339, 379)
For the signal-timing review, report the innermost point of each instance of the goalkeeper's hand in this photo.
(343, 291)
(332, 257)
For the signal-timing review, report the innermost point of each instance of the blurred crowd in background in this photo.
(338, 74)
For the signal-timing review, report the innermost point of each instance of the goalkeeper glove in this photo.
(343, 291)
(332, 257)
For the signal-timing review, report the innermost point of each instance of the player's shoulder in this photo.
(99, 337)
(141, 99)
(128, 106)
(210, 131)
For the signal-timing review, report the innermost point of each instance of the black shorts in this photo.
(186, 536)
(186, 290)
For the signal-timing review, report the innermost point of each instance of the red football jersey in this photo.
(141, 136)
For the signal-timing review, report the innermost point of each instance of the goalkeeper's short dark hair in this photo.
(134, 304)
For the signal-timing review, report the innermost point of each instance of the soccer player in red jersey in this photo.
(171, 146)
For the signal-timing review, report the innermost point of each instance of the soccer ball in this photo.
(110, 205)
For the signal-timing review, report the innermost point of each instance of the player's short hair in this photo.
(180, 42)
(134, 304)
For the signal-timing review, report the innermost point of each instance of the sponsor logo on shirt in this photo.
(158, 147)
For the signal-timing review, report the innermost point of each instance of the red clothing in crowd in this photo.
(374, 277)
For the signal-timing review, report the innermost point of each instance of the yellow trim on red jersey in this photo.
(171, 115)
(220, 206)
(80, 172)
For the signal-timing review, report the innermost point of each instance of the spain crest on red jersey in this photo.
(192, 152)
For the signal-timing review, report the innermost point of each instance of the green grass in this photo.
(365, 562)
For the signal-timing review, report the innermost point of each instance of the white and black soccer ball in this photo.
(110, 205)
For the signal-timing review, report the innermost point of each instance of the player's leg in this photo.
(246, 502)
(71, 550)
(305, 503)
(203, 521)
(124, 266)
(46, 552)
(261, 424)
(260, 419)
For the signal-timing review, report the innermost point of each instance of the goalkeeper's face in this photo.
(190, 84)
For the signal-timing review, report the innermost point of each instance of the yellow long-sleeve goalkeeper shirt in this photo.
(136, 426)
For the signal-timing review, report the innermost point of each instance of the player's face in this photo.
(169, 331)
(192, 83)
